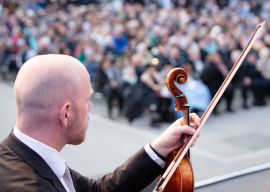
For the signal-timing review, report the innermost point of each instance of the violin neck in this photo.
(186, 116)
(186, 121)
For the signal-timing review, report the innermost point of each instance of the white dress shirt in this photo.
(56, 162)
(153, 155)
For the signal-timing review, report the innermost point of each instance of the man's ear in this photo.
(65, 114)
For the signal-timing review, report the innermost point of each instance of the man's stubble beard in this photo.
(77, 130)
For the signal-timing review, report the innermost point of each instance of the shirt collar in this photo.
(49, 154)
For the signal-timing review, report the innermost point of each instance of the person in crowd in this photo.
(144, 95)
(137, 63)
(144, 54)
(127, 72)
(255, 79)
(120, 42)
(176, 58)
(108, 86)
(161, 55)
(24, 53)
(198, 65)
(263, 65)
(92, 66)
(242, 79)
(213, 76)
(9, 59)
(71, 44)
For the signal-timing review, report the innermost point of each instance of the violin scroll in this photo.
(179, 76)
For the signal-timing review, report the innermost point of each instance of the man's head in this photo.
(52, 95)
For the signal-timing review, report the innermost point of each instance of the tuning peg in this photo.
(179, 95)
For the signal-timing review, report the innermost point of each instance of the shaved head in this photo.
(45, 81)
(52, 95)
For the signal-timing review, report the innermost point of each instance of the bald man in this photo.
(52, 95)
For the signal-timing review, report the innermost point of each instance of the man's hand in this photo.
(171, 138)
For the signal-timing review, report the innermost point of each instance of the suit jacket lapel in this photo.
(74, 182)
(57, 184)
(34, 160)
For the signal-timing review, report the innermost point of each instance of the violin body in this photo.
(183, 177)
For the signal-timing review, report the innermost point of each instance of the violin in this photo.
(183, 177)
(179, 176)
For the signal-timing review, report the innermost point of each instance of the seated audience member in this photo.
(107, 85)
(263, 65)
(129, 76)
(145, 55)
(120, 42)
(92, 66)
(144, 95)
(213, 76)
(137, 63)
(241, 78)
(161, 55)
(255, 79)
(195, 57)
(176, 57)
(24, 53)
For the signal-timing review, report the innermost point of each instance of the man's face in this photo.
(78, 126)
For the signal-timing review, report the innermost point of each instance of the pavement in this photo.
(229, 142)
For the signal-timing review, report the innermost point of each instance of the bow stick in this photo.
(175, 163)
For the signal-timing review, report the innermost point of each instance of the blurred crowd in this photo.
(128, 48)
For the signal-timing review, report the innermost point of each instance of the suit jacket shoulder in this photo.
(24, 170)
(10, 172)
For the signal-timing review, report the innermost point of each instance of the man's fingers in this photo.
(193, 143)
(179, 130)
(194, 117)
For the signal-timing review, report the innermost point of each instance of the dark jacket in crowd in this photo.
(212, 77)
(102, 82)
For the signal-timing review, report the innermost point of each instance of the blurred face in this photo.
(91, 57)
(252, 58)
(126, 62)
(151, 70)
(188, 68)
(175, 53)
(162, 48)
(216, 58)
(105, 65)
(81, 107)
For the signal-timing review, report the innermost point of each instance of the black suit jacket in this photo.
(23, 170)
